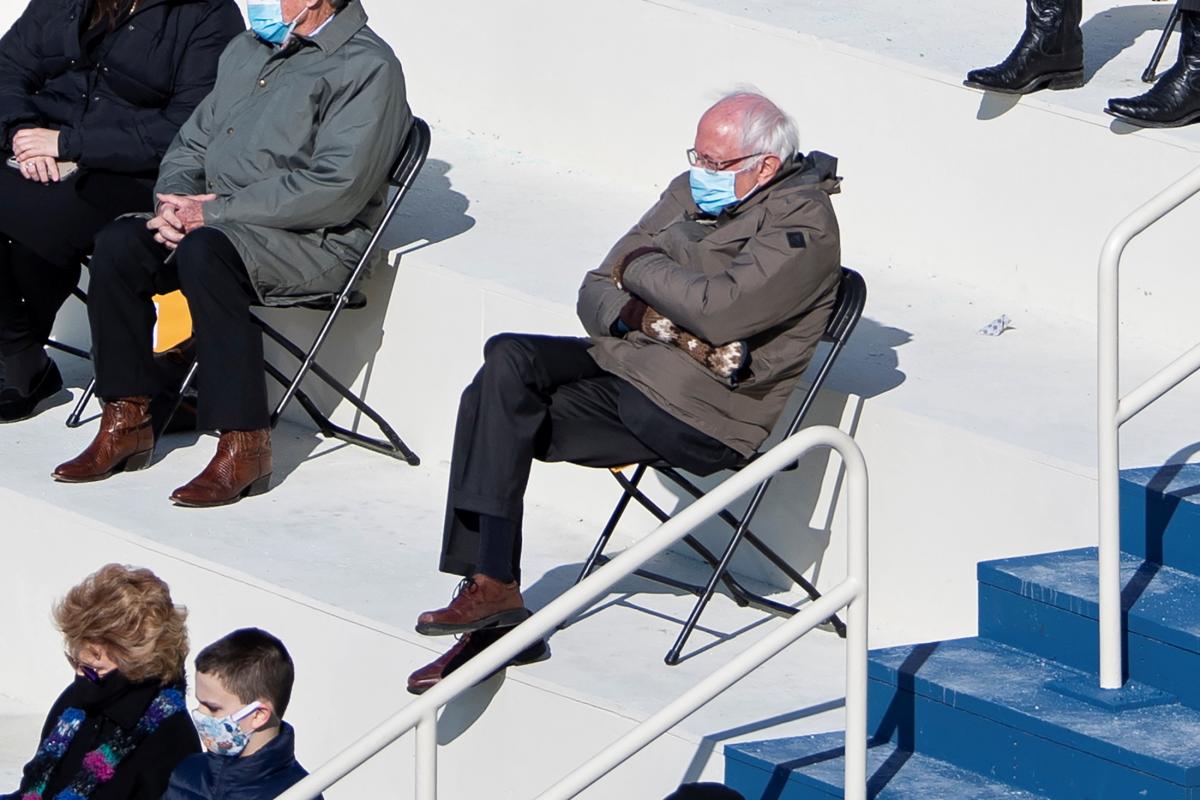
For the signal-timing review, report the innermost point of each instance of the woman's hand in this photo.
(40, 168)
(35, 142)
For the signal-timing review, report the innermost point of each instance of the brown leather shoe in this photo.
(479, 602)
(466, 648)
(240, 468)
(125, 442)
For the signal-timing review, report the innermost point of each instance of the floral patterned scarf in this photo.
(100, 764)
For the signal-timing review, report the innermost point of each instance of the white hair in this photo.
(766, 128)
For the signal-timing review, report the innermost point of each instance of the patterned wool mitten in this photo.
(724, 361)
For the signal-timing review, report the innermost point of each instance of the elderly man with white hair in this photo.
(701, 320)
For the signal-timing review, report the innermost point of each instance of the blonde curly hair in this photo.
(127, 611)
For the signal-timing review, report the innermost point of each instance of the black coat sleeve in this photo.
(21, 70)
(156, 758)
(137, 139)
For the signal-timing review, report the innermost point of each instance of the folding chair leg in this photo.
(394, 446)
(69, 349)
(1149, 75)
(740, 595)
(187, 383)
(74, 420)
(611, 526)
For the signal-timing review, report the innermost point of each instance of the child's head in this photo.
(243, 679)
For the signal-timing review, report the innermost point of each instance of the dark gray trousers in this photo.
(545, 398)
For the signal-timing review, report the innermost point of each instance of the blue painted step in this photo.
(812, 768)
(985, 707)
(1160, 515)
(1047, 604)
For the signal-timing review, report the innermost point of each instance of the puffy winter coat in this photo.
(765, 270)
(117, 97)
(262, 776)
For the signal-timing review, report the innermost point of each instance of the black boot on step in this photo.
(1049, 53)
(1174, 99)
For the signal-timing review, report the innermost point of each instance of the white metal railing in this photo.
(1114, 410)
(850, 593)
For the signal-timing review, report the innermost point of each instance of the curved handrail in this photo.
(1112, 411)
(422, 713)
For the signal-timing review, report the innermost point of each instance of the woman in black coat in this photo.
(105, 85)
(121, 727)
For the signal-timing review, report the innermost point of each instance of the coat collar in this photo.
(341, 29)
(816, 168)
(124, 705)
(279, 755)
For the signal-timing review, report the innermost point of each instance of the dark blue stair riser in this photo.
(1072, 639)
(756, 783)
(1160, 528)
(1006, 754)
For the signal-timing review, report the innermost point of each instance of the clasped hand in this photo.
(177, 216)
(36, 149)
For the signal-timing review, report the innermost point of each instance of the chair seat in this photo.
(354, 301)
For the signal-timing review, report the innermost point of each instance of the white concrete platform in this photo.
(554, 126)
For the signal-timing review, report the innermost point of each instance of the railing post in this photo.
(1109, 417)
(856, 625)
(1108, 463)
(426, 779)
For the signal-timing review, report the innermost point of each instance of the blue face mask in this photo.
(266, 20)
(713, 191)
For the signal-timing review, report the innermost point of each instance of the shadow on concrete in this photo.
(1110, 32)
(432, 212)
(461, 713)
(996, 104)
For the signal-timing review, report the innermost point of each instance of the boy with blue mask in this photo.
(243, 686)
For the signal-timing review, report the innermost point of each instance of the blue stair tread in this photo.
(1009, 686)
(1166, 601)
(1183, 483)
(816, 762)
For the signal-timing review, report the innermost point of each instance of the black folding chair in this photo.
(1152, 68)
(403, 173)
(852, 295)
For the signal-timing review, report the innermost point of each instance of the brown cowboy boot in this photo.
(125, 442)
(240, 468)
(479, 602)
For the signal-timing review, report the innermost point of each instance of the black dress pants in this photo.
(544, 397)
(45, 233)
(1189, 5)
(128, 268)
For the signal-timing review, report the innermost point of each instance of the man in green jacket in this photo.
(268, 195)
(702, 318)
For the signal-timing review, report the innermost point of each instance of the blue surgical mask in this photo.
(713, 191)
(223, 736)
(266, 20)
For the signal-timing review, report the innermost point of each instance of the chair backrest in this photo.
(851, 298)
(847, 310)
(412, 157)
(412, 154)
